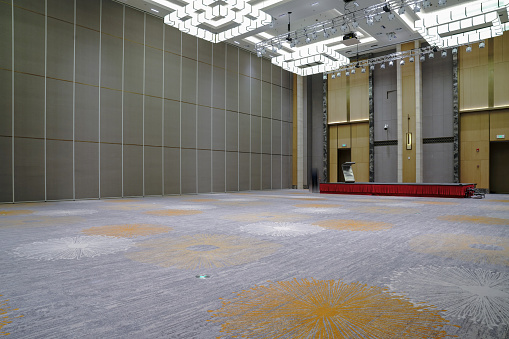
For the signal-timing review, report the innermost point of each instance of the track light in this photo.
(259, 54)
(401, 10)
(308, 39)
(391, 16)
(444, 53)
(454, 51)
(431, 55)
(411, 59)
(333, 30)
(386, 8)
(442, 2)
(426, 3)
(382, 66)
(378, 17)
(352, 71)
(468, 49)
(324, 76)
(402, 62)
(344, 28)
(372, 67)
(333, 76)
(482, 44)
(417, 8)
(313, 35)
(363, 70)
(338, 74)
(391, 63)
(325, 33)
(369, 21)
(422, 58)
(347, 73)
(355, 24)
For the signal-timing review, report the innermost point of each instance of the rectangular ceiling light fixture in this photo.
(472, 22)
(215, 20)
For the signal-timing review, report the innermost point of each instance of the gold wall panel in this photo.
(360, 151)
(474, 134)
(501, 70)
(499, 124)
(408, 118)
(337, 99)
(359, 96)
(344, 136)
(474, 77)
(333, 153)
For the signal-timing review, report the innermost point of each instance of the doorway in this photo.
(344, 155)
(499, 166)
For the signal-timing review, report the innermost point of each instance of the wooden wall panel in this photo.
(499, 124)
(474, 135)
(473, 78)
(501, 70)
(360, 151)
(333, 153)
(359, 96)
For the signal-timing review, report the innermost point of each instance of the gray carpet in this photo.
(259, 264)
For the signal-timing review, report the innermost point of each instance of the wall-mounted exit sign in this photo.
(500, 136)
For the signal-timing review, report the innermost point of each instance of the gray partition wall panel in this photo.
(86, 113)
(287, 105)
(59, 109)
(266, 70)
(111, 170)
(244, 171)
(112, 18)
(438, 162)
(111, 62)
(29, 169)
(218, 129)
(244, 133)
(5, 36)
(232, 131)
(171, 123)
(153, 121)
(189, 71)
(244, 62)
(61, 9)
(154, 31)
(188, 174)
(171, 171)
(133, 67)
(266, 136)
(172, 76)
(133, 170)
(218, 171)
(287, 171)
(28, 106)
(188, 126)
(276, 75)
(190, 46)
(256, 67)
(88, 13)
(204, 84)
(256, 97)
(437, 98)
(134, 25)
(60, 56)
(266, 99)
(276, 102)
(232, 171)
(276, 137)
(153, 74)
(385, 104)
(256, 134)
(266, 171)
(287, 79)
(204, 171)
(59, 170)
(244, 94)
(133, 119)
(276, 172)
(111, 116)
(204, 127)
(287, 137)
(256, 163)
(205, 51)
(87, 170)
(87, 56)
(6, 169)
(219, 55)
(232, 58)
(218, 87)
(232, 91)
(29, 31)
(386, 163)
(5, 103)
(172, 39)
(153, 171)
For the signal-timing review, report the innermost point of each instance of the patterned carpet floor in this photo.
(257, 264)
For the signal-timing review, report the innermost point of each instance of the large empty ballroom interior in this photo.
(315, 169)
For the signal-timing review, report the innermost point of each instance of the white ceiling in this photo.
(374, 38)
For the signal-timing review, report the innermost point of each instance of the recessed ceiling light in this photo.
(155, 10)
(314, 4)
(238, 43)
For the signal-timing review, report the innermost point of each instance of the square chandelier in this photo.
(215, 20)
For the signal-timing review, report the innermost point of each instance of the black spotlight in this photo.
(386, 8)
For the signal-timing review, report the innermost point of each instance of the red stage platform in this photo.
(402, 189)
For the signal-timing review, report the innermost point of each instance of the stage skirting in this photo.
(413, 190)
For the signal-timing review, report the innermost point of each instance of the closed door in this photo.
(499, 166)
(344, 155)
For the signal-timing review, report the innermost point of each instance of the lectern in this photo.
(348, 172)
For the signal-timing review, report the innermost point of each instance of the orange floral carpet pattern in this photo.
(127, 230)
